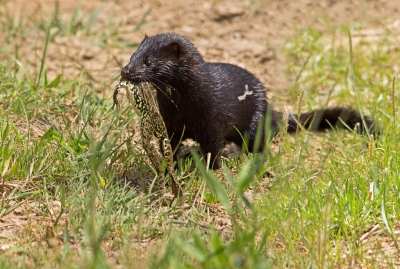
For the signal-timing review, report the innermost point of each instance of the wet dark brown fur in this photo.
(206, 101)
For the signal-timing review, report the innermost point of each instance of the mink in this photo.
(217, 103)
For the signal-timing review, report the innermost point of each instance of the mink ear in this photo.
(175, 49)
(145, 37)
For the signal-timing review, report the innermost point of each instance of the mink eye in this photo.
(147, 62)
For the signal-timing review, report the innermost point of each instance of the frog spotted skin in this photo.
(143, 99)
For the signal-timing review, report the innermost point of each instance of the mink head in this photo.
(161, 59)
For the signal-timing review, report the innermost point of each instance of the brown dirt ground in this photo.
(250, 34)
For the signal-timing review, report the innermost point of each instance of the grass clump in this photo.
(75, 179)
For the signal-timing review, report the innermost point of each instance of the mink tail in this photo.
(322, 119)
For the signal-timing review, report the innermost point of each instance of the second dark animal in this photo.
(216, 103)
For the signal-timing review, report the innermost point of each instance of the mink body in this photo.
(215, 103)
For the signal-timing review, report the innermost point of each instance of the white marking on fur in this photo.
(246, 92)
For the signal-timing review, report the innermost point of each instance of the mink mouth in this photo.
(136, 79)
(133, 75)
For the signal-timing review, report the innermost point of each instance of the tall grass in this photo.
(62, 146)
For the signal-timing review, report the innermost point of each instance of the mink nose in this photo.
(125, 72)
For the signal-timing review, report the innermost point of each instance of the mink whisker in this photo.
(164, 93)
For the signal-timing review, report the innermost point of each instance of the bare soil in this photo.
(250, 34)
